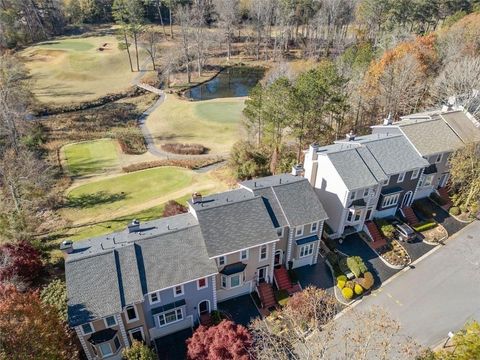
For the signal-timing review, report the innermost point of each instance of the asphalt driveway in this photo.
(353, 245)
(241, 309)
(442, 217)
(439, 294)
(318, 275)
(173, 347)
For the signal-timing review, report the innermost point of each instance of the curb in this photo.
(394, 267)
(448, 212)
(335, 288)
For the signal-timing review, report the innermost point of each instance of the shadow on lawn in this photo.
(91, 200)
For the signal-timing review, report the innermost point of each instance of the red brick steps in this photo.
(267, 296)
(283, 281)
(410, 216)
(378, 240)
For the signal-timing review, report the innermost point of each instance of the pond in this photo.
(231, 82)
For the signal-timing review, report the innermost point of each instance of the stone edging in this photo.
(448, 212)
(340, 297)
(439, 241)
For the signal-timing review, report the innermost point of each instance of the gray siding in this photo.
(408, 184)
(192, 297)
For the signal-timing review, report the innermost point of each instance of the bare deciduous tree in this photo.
(227, 11)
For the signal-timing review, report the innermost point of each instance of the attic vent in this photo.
(67, 246)
(298, 170)
(133, 226)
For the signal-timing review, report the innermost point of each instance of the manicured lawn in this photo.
(73, 70)
(222, 112)
(91, 157)
(215, 124)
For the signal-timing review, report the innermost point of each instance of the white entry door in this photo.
(407, 198)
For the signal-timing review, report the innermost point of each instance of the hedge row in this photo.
(185, 149)
(425, 225)
(185, 163)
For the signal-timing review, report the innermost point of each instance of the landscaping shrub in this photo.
(185, 149)
(353, 266)
(347, 293)
(435, 198)
(131, 140)
(341, 278)
(358, 289)
(333, 260)
(386, 228)
(249, 161)
(282, 297)
(341, 283)
(350, 284)
(55, 294)
(185, 163)
(425, 225)
(173, 208)
(368, 280)
(342, 263)
(361, 265)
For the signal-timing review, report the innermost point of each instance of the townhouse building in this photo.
(435, 135)
(160, 277)
(360, 178)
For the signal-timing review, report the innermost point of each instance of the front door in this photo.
(204, 307)
(369, 214)
(136, 334)
(407, 199)
(278, 258)
(262, 274)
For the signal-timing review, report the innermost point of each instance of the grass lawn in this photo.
(215, 124)
(74, 69)
(127, 194)
(91, 157)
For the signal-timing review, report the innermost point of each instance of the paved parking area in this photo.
(173, 347)
(442, 217)
(353, 245)
(241, 309)
(417, 248)
(318, 275)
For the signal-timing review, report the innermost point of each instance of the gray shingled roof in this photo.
(300, 203)
(273, 207)
(352, 169)
(395, 154)
(462, 126)
(92, 288)
(232, 226)
(431, 136)
(106, 273)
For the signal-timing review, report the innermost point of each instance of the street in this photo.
(439, 294)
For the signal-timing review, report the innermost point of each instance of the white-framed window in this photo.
(314, 227)
(87, 328)
(353, 195)
(280, 232)
(243, 255)
(439, 158)
(390, 200)
(178, 291)
(170, 317)
(349, 215)
(202, 283)
(415, 174)
(110, 321)
(354, 215)
(154, 298)
(131, 314)
(116, 342)
(358, 214)
(221, 260)
(428, 180)
(299, 231)
(401, 177)
(136, 334)
(105, 349)
(307, 250)
(365, 192)
(232, 281)
(263, 252)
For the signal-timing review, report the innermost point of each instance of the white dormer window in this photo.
(353, 194)
(221, 261)
(243, 255)
(401, 177)
(87, 328)
(263, 252)
(415, 173)
(314, 227)
(131, 314)
(154, 298)
(299, 231)
(365, 192)
(178, 290)
(202, 283)
(110, 321)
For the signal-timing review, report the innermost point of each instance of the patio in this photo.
(173, 347)
(241, 309)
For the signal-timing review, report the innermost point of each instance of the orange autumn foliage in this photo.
(422, 48)
(31, 330)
